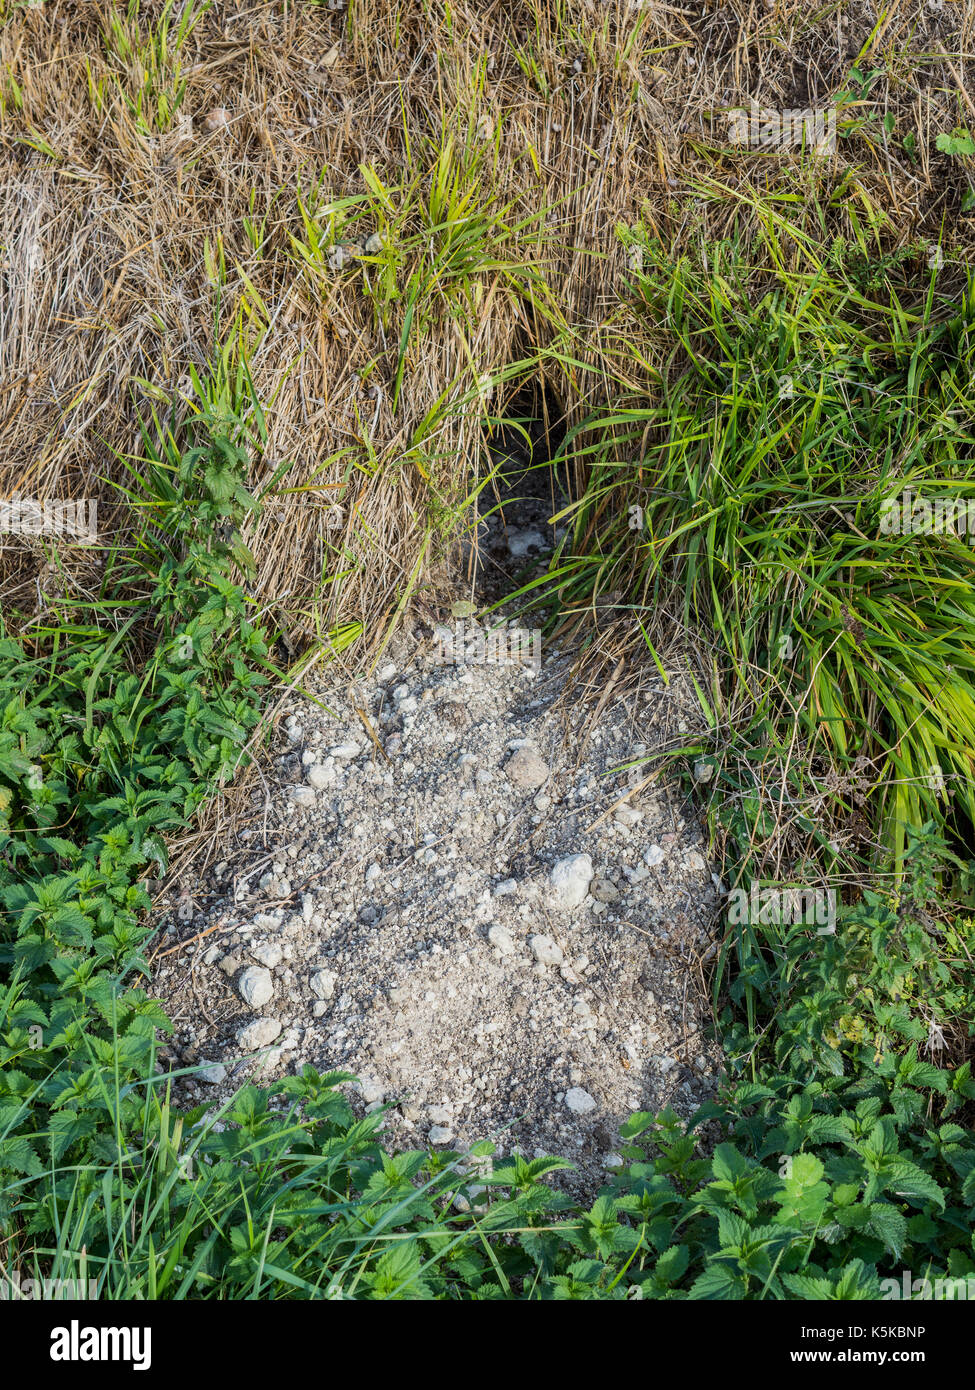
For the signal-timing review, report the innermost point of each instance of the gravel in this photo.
(492, 959)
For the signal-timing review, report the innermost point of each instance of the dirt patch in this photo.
(439, 902)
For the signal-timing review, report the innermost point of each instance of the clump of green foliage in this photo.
(808, 391)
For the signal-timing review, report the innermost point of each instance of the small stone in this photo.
(345, 751)
(703, 770)
(441, 1115)
(374, 245)
(695, 861)
(523, 542)
(268, 953)
(604, 891)
(580, 1102)
(571, 878)
(526, 770)
(260, 1033)
(322, 983)
(255, 986)
(303, 796)
(319, 776)
(440, 1134)
(268, 921)
(501, 940)
(213, 1073)
(654, 855)
(546, 951)
(627, 816)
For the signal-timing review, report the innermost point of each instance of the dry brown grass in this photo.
(581, 115)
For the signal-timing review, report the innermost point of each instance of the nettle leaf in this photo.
(808, 1286)
(908, 1180)
(729, 1165)
(968, 1189)
(672, 1264)
(67, 1127)
(888, 1225)
(18, 1155)
(718, 1282)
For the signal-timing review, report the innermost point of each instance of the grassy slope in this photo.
(553, 192)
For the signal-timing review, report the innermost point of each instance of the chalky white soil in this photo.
(422, 898)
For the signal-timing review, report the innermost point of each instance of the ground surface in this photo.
(394, 913)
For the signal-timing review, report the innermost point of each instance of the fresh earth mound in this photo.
(460, 893)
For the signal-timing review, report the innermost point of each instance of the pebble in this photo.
(267, 921)
(526, 770)
(580, 1102)
(522, 542)
(501, 939)
(654, 855)
(546, 951)
(440, 1134)
(213, 1073)
(319, 776)
(268, 953)
(260, 1033)
(604, 891)
(627, 816)
(570, 878)
(255, 986)
(322, 983)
